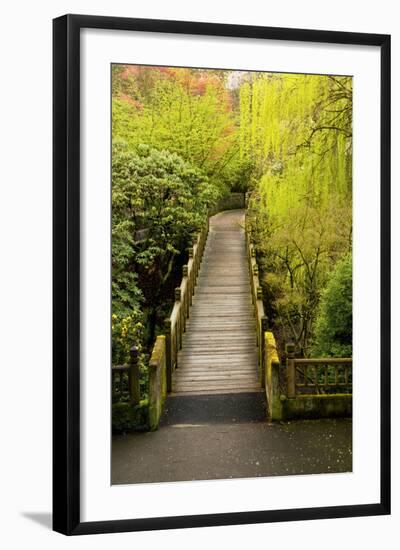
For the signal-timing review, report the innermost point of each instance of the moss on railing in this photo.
(157, 382)
(257, 301)
(272, 382)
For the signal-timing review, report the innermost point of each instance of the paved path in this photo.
(226, 436)
(219, 352)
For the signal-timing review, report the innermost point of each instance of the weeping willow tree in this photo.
(298, 130)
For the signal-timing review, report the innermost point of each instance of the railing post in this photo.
(168, 357)
(258, 296)
(134, 376)
(205, 233)
(195, 243)
(192, 280)
(187, 293)
(290, 370)
(264, 328)
(178, 297)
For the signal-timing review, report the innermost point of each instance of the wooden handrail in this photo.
(125, 379)
(316, 373)
(257, 301)
(175, 324)
(323, 361)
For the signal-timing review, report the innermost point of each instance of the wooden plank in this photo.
(241, 342)
(195, 391)
(221, 360)
(215, 358)
(243, 369)
(229, 377)
(212, 386)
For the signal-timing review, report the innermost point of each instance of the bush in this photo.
(334, 325)
(158, 202)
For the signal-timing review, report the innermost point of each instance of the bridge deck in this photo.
(219, 352)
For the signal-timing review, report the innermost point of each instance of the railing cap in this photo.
(264, 323)
(134, 353)
(290, 348)
(324, 360)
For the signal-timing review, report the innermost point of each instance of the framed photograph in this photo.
(221, 259)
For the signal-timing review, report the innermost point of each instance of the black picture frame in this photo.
(66, 273)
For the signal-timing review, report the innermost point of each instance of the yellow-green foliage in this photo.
(298, 127)
(298, 130)
(180, 110)
(126, 331)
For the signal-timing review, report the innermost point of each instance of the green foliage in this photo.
(159, 192)
(296, 130)
(180, 110)
(296, 256)
(159, 202)
(333, 329)
(184, 137)
(127, 417)
(126, 330)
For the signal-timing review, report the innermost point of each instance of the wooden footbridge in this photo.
(216, 340)
(219, 346)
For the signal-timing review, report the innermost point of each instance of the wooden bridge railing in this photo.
(310, 376)
(257, 301)
(125, 380)
(175, 324)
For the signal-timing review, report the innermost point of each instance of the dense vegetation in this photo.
(182, 138)
(297, 131)
(333, 328)
(168, 168)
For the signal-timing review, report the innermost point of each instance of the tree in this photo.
(182, 137)
(297, 253)
(186, 111)
(159, 202)
(333, 330)
(296, 130)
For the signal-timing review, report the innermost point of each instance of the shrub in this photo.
(333, 329)
(158, 202)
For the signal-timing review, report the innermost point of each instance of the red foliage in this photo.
(194, 81)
